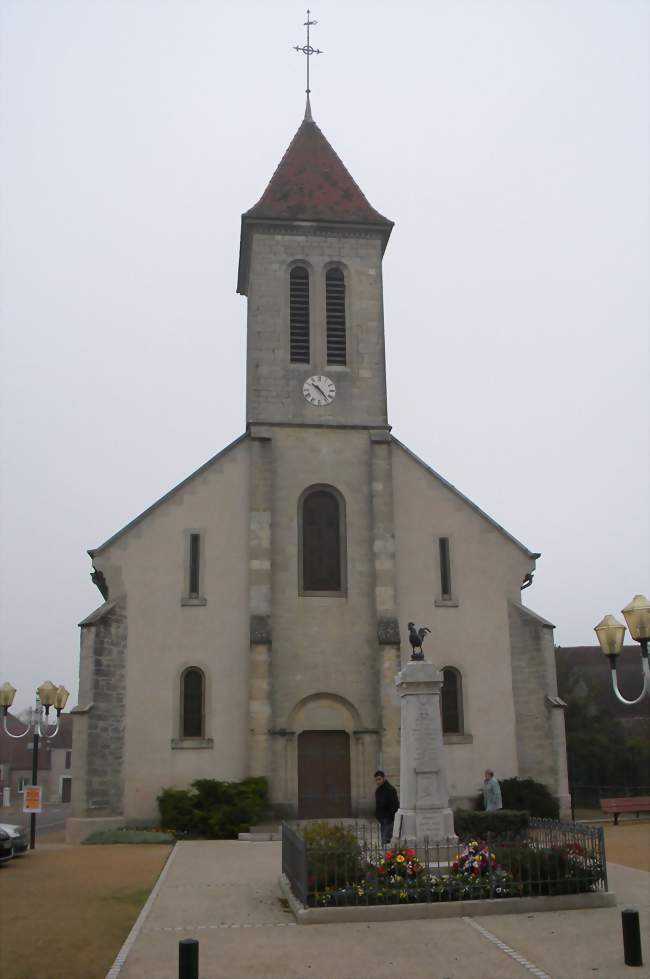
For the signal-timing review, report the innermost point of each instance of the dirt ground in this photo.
(629, 843)
(66, 910)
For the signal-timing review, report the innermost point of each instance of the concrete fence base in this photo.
(443, 909)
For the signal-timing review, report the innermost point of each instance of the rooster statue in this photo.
(416, 638)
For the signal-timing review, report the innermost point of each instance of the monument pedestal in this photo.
(424, 812)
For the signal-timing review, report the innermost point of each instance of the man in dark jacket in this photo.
(386, 805)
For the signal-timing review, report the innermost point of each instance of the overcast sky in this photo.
(508, 141)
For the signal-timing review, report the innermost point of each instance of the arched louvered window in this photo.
(451, 701)
(335, 315)
(299, 315)
(322, 550)
(192, 700)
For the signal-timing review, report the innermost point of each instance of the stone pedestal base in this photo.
(434, 825)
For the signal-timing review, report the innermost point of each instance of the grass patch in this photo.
(109, 836)
(66, 910)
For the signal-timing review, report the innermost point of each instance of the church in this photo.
(255, 617)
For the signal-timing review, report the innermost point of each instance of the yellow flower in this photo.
(400, 858)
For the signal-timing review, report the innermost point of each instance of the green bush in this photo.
(103, 836)
(333, 855)
(214, 810)
(551, 870)
(504, 823)
(525, 794)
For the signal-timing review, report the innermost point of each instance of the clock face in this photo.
(319, 390)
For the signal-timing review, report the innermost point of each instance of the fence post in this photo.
(490, 864)
(602, 857)
(188, 959)
(302, 875)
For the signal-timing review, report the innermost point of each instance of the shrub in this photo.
(103, 836)
(212, 809)
(550, 870)
(333, 855)
(503, 823)
(526, 794)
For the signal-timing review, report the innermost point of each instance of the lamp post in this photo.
(610, 634)
(48, 695)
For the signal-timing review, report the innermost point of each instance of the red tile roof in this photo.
(312, 184)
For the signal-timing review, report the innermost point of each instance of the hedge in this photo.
(504, 823)
(214, 810)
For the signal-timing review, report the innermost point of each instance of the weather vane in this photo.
(307, 48)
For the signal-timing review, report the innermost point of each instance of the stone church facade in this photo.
(255, 617)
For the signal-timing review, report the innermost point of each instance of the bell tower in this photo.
(310, 265)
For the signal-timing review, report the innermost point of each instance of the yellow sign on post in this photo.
(32, 798)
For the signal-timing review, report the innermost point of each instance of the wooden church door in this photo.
(323, 775)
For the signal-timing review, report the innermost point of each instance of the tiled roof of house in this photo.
(17, 752)
(312, 184)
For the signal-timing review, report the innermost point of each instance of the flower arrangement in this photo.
(399, 864)
(474, 860)
(400, 878)
(475, 873)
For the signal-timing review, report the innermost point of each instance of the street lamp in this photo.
(48, 695)
(610, 634)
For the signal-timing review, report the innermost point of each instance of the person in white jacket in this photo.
(491, 792)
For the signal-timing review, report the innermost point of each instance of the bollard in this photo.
(631, 937)
(188, 959)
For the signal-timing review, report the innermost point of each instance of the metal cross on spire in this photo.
(308, 50)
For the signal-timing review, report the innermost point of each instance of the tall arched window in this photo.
(322, 542)
(299, 315)
(451, 701)
(192, 701)
(335, 315)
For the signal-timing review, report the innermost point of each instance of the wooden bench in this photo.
(631, 803)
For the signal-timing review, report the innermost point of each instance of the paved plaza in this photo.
(225, 894)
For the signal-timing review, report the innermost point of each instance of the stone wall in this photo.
(540, 735)
(101, 721)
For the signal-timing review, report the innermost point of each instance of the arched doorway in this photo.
(324, 775)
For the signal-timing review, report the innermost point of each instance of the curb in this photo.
(260, 837)
(120, 959)
(443, 909)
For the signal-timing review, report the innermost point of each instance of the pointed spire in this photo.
(312, 184)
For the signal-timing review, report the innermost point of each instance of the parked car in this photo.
(18, 835)
(6, 847)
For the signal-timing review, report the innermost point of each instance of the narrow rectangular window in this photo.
(195, 565)
(299, 315)
(445, 568)
(335, 315)
(68, 759)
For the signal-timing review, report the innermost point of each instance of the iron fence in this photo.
(346, 864)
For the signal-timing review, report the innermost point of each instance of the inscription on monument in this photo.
(427, 791)
(424, 731)
(430, 823)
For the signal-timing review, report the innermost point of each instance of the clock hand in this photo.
(320, 390)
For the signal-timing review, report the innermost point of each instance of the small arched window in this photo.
(192, 703)
(322, 544)
(335, 315)
(299, 315)
(451, 701)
